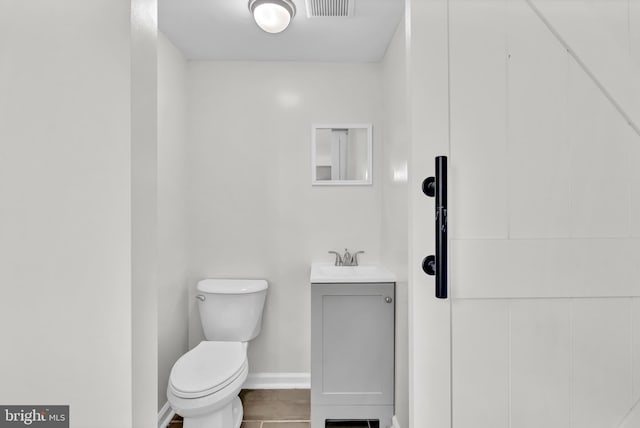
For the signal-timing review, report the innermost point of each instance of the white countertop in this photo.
(327, 273)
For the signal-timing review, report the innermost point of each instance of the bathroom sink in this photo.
(324, 273)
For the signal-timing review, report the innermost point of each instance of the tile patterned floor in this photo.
(279, 408)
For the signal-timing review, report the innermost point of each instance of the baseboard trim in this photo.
(165, 415)
(278, 381)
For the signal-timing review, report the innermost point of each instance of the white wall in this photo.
(65, 224)
(252, 210)
(144, 208)
(394, 177)
(172, 226)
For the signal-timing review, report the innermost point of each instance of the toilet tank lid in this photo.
(232, 286)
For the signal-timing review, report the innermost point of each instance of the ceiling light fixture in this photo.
(273, 16)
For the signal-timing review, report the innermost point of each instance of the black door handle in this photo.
(437, 265)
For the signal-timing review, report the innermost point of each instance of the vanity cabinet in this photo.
(352, 352)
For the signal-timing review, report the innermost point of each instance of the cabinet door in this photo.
(352, 344)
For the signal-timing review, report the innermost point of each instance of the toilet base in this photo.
(230, 416)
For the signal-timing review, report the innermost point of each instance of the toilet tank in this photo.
(231, 309)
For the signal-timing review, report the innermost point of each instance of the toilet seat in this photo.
(207, 368)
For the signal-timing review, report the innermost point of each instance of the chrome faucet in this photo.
(347, 259)
(350, 259)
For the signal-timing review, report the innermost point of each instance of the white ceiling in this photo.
(225, 30)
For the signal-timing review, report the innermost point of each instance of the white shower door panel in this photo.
(544, 185)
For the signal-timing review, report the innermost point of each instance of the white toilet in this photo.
(204, 383)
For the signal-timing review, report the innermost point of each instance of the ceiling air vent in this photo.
(329, 8)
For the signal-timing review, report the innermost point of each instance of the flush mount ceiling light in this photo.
(273, 16)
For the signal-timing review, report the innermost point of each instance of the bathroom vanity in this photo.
(352, 344)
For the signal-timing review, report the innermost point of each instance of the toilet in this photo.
(204, 383)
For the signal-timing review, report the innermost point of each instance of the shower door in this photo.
(544, 215)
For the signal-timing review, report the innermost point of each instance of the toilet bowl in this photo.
(204, 383)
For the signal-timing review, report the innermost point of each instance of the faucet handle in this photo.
(355, 257)
(338, 261)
